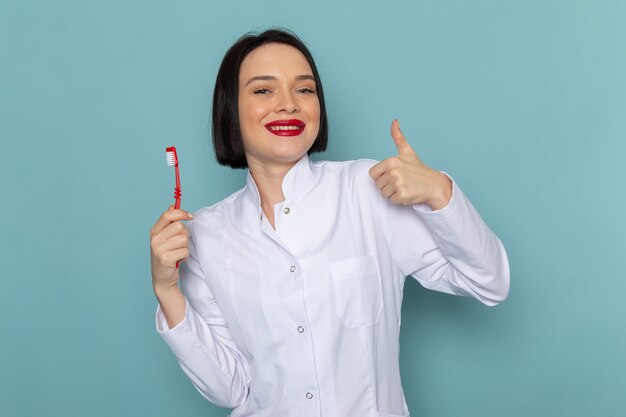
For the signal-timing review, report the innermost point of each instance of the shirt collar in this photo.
(298, 178)
(296, 182)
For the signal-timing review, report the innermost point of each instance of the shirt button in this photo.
(286, 210)
(309, 395)
(293, 268)
(300, 329)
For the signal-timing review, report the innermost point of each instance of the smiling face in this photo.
(279, 111)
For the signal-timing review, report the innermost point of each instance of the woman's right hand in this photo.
(169, 243)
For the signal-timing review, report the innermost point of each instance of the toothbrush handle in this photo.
(177, 192)
(177, 195)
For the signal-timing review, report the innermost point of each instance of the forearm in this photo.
(172, 302)
(207, 354)
(476, 255)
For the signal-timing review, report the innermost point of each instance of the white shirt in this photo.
(304, 320)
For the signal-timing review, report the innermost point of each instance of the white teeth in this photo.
(285, 127)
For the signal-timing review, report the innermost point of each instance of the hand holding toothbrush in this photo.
(169, 244)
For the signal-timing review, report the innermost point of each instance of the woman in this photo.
(291, 289)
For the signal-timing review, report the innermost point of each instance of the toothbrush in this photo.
(172, 160)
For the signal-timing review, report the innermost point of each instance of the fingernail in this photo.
(398, 122)
(190, 215)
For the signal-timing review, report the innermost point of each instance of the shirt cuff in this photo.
(161, 323)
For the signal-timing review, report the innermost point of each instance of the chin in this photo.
(291, 158)
(290, 152)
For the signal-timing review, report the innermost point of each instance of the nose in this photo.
(287, 103)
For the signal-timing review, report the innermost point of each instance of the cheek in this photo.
(246, 117)
(252, 115)
(315, 113)
(315, 109)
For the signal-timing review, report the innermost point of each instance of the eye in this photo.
(262, 91)
(306, 90)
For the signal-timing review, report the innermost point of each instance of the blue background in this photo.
(524, 103)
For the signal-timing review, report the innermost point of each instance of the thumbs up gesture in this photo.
(405, 179)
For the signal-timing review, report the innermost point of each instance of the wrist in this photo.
(172, 303)
(442, 192)
(164, 290)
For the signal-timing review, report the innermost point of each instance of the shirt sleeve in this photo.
(450, 250)
(202, 342)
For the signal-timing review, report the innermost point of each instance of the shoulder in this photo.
(211, 217)
(218, 208)
(356, 170)
(350, 179)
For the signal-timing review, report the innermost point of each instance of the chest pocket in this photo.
(357, 290)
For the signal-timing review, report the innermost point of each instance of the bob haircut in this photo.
(226, 131)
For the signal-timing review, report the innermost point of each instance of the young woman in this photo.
(291, 288)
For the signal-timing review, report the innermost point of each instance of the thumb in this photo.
(401, 143)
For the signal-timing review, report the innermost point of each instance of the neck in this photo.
(269, 183)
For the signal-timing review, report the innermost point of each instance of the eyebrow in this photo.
(272, 78)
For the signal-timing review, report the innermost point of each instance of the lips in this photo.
(291, 127)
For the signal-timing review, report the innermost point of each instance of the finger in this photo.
(169, 216)
(169, 238)
(396, 199)
(398, 137)
(376, 171)
(388, 190)
(171, 257)
(180, 255)
(173, 243)
(177, 214)
(380, 168)
(382, 181)
(173, 229)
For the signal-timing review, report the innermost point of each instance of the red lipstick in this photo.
(291, 127)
